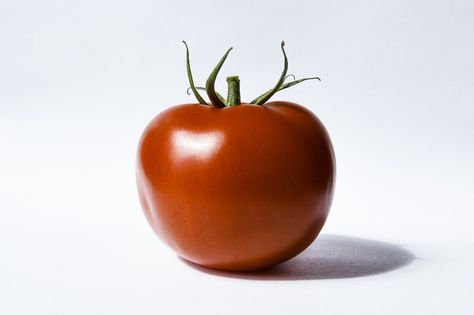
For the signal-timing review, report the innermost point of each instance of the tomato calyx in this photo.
(233, 82)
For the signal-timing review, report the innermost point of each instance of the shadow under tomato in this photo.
(330, 257)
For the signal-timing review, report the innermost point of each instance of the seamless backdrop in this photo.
(79, 80)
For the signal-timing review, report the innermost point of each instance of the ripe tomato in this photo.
(238, 188)
(242, 187)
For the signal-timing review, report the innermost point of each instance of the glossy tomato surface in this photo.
(236, 188)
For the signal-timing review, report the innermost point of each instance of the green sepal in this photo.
(216, 102)
(190, 77)
(269, 94)
(201, 88)
(284, 86)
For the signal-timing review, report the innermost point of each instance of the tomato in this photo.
(241, 187)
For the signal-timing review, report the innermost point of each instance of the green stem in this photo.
(233, 92)
(211, 92)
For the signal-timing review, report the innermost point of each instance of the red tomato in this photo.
(237, 188)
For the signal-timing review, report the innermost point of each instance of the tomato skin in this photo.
(237, 188)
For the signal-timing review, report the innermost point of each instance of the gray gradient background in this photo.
(79, 80)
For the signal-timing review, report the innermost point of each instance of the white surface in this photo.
(80, 80)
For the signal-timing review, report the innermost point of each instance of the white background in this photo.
(79, 80)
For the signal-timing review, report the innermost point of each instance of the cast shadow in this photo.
(330, 257)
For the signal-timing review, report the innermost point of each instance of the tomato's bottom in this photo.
(258, 262)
